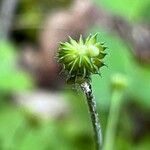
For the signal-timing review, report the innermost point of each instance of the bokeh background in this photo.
(38, 111)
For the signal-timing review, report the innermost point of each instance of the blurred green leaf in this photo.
(129, 9)
(11, 77)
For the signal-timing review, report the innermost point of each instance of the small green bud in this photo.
(119, 82)
(81, 59)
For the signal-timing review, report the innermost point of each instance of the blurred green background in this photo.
(38, 111)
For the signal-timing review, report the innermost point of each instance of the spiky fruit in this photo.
(81, 59)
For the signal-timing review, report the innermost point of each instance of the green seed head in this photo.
(81, 59)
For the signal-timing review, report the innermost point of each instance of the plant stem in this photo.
(7, 13)
(86, 87)
(112, 120)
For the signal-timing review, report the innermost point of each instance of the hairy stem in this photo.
(86, 87)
